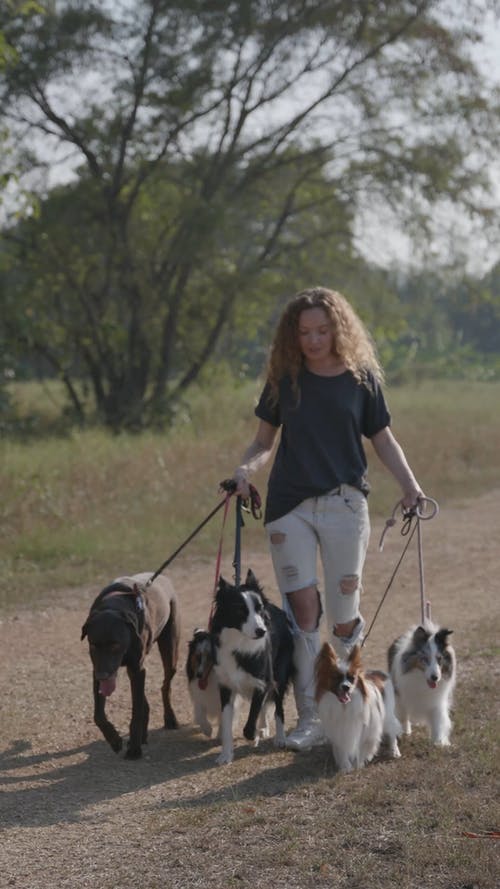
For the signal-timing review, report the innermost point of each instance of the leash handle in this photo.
(426, 508)
(252, 504)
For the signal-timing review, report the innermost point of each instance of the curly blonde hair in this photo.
(353, 344)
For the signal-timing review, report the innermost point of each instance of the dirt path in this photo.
(73, 814)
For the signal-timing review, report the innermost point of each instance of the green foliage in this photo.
(217, 164)
(450, 328)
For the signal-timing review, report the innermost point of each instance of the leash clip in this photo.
(139, 600)
(255, 503)
(408, 516)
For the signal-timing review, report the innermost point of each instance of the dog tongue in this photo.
(202, 683)
(107, 686)
(431, 684)
(344, 698)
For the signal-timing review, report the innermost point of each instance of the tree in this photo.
(8, 59)
(175, 119)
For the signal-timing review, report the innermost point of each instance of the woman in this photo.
(323, 389)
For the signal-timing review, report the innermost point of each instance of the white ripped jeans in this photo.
(337, 524)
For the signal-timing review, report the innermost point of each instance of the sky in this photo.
(382, 241)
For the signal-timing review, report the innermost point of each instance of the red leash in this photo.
(229, 485)
(219, 551)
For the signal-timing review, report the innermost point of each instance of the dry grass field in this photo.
(73, 814)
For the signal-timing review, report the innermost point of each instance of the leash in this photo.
(237, 545)
(254, 505)
(426, 508)
(229, 486)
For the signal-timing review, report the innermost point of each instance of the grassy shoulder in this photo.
(77, 508)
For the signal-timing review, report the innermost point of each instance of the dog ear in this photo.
(224, 587)
(442, 637)
(420, 636)
(354, 658)
(252, 582)
(84, 630)
(328, 653)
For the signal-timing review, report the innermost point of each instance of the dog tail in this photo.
(174, 632)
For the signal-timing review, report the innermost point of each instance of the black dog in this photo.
(123, 623)
(253, 656)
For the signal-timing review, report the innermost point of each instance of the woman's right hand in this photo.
(242, 487)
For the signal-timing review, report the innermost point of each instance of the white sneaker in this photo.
(307, 734)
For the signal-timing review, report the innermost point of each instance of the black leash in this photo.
(389, 585)
(255, 507)
(188, 539)
(252, 505)
(229, 487)
(239, 524)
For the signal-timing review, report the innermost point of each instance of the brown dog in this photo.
(124, 621)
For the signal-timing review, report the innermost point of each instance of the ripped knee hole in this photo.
(349, 584)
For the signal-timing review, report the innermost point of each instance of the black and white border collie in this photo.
(253, 657)
(356, 708)
(422, 664)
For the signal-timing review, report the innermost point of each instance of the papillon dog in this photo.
(356, 708)
(422, 665)
(253, 657)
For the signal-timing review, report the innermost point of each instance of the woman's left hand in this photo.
(411, 497)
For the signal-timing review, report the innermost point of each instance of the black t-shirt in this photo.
(321, 438)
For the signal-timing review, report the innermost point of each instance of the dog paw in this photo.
(390, 749)
(206, 729)
(442, 742)
(224, 758)
(133, 753)
(116, 744)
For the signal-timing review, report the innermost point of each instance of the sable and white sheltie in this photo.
(253, 657)
(422, 665)
(356, 709)
(202, 683)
